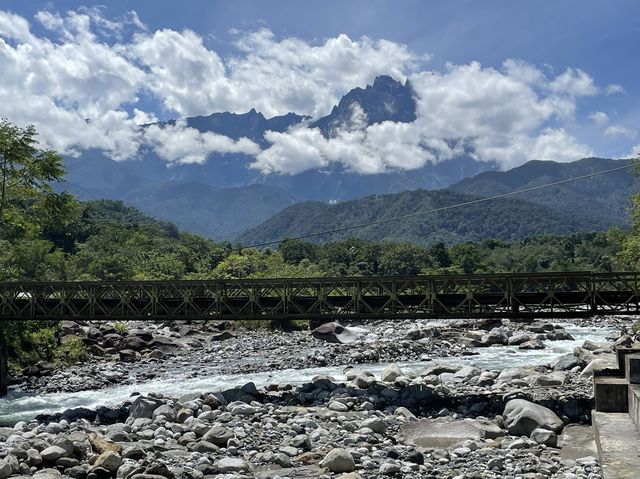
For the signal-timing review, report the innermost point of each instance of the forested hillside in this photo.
(605, 196)
(503, 219)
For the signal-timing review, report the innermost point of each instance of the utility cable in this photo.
(443, 208)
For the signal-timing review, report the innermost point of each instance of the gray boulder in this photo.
(144, 407)
(521, 417)
(391, 373)
(218, 435)
(53, 453)
(232, 464)
(336, 333)
(339, 460)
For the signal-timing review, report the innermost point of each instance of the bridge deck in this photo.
(441, 296)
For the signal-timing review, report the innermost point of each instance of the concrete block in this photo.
(611, 394)
(622, 351)
(634, 404)
(632, 368)
(617, 442)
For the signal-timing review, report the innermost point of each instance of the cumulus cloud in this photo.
(179, 144)
(600, 118)
(502, 115)
(81, 85)
(614, 131)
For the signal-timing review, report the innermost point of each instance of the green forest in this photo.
(50, 236)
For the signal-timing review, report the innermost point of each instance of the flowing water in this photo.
(19, 406)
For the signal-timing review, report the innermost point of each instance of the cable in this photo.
(443, 208)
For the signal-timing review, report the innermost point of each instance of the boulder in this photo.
(521, 417)
(165, 410)
(232, 464)
(144, 407)
(566, 362)
(339, 460)
(391, 373)
(336, 333)
(438, 433)
(5, 469)
(53, 453)
(218, 435)
(109, 460)
(544, 436)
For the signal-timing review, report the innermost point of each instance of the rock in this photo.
(391, 373)
(438, 369)
(521, 417)
(218, 435)
(597, 365)
(389, 468)
(544, 436)
(53, 453)
(134, 343)
(231, 464)
(100, 445)
(109, 460)
(5, 469)
(223, 336)
(129, 355)
(133, 452)
(339, 460)
(519, 338)
(338, 406)
(375, 424)
(183, 414)
(336, 333)
(47, 474)
(239, 408)
(556, 378)
(165, 410)
(144, 407)
(438, 433)
(532, 344)
(566, 362)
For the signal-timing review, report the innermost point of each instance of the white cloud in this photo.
(502, 115)
(614, 89)
(574, 82)
(600, 118)
(614, 131)
(180, 144)
(273, 76)
(81, 86)
(633, 152)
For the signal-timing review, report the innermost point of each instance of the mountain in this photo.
(145, 180)
(505, 219)
(605, 197)
(219, 214)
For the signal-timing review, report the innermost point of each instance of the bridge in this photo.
(440, 296)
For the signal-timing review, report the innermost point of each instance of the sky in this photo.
(515, 80)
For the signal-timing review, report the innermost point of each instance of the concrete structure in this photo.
(616, 419)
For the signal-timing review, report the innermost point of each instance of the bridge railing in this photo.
(481, 295)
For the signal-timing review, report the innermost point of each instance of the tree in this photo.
(26, 196)
(27, 199)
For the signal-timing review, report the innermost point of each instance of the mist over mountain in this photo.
(203, 197)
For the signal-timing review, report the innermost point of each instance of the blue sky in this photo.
(593, 108)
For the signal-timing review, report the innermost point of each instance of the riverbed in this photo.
(175, 382)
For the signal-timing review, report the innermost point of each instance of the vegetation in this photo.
(46, 235)
(504, 219)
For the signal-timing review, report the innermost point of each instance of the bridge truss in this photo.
(441, 296)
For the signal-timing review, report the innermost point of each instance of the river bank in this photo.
(230, 405)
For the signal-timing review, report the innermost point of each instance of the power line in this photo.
(443, 208)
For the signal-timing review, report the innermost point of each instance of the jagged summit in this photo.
(386, 100)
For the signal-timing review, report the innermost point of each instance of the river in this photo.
(17, 406)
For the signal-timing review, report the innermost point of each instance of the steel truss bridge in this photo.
(441, 296)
